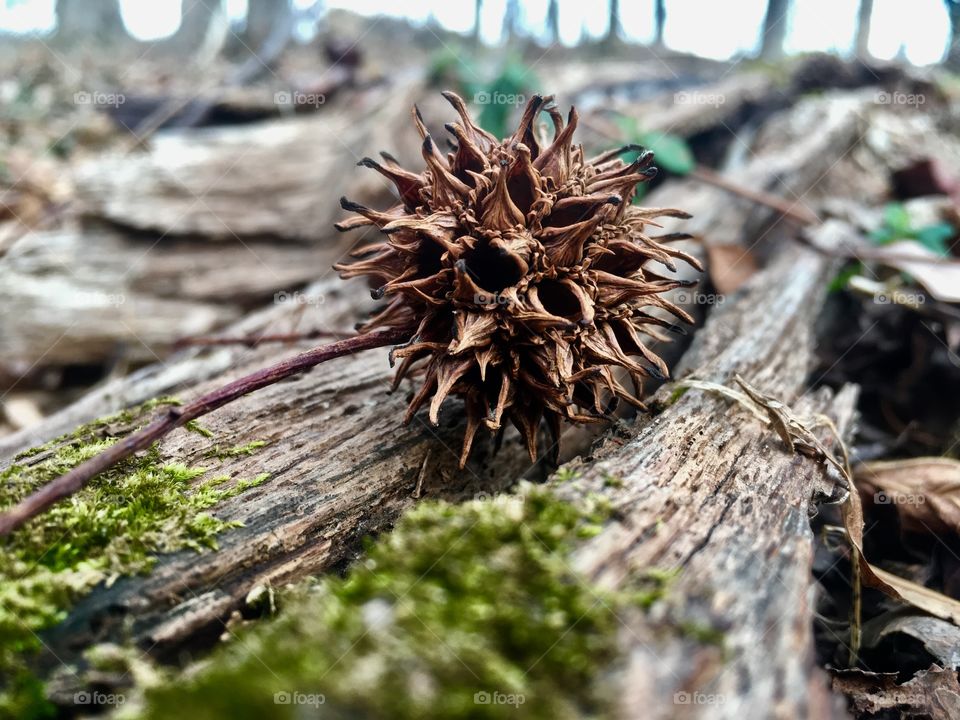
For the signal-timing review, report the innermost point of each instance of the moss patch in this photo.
(115, 526)
(464, 611)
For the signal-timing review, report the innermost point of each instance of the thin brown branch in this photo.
(68, 484)
(792, 210)
(254, 340)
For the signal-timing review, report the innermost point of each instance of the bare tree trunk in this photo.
(202, 31)
(660, 20)
(263, 19)
(553, 21)
(92, 21)
(613, 26)
(774, 29)
(864, 16)
(953, 52)
(477, 9)
(511, 20)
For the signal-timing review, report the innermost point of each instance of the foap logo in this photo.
(884, 497)
(698, 698)
(699, 98)
(99, 99)
(296, 98)
(506, 501)
(685, 297)
(314, 700)
(91, 298)
(900, 98)
(898, 297)
(498, 98)
(99, 699)
(490, 299)
(297, 298)
(498, 698)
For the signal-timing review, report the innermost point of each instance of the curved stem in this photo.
(254, 340)
(68, 484)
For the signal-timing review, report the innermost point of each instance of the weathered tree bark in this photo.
(92, 296)
(341, 465)
(246, 182)
(775, 24)
(708, 491)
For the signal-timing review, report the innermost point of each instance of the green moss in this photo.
(566, 474)
(460, 604)
(652, 586)
(237, 451)
(612, 481)
(195, 427)
(115, 526)
(703, 634)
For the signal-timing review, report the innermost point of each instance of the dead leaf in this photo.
(730, 266)
(940, 638)
(797, 434)
(925, 491)
(21, 411)
(921, 597)
(941, 279)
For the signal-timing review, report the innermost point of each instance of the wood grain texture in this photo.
(707, 490)
(705, 487)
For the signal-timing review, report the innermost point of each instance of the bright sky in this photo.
(712, 28)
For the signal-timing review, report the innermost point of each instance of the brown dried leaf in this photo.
(921, 597)
(925, 491)
(798, 436)
(730, 266)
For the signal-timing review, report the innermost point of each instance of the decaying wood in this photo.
(708, 490)
(341, 467)
(705, 488)
(91, 294)
(267, 179)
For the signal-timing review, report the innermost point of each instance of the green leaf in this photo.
(896, 217)
(671, 152)
(882, 236)
(500, 98)
(934, 237)
(842, 279)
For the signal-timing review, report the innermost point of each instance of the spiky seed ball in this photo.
(518, 268)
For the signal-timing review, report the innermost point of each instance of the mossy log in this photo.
(701, 487)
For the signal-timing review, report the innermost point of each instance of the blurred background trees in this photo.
(204, 27)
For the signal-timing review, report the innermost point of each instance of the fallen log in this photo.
(705, 489)
(341, 467)
(89, 295)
